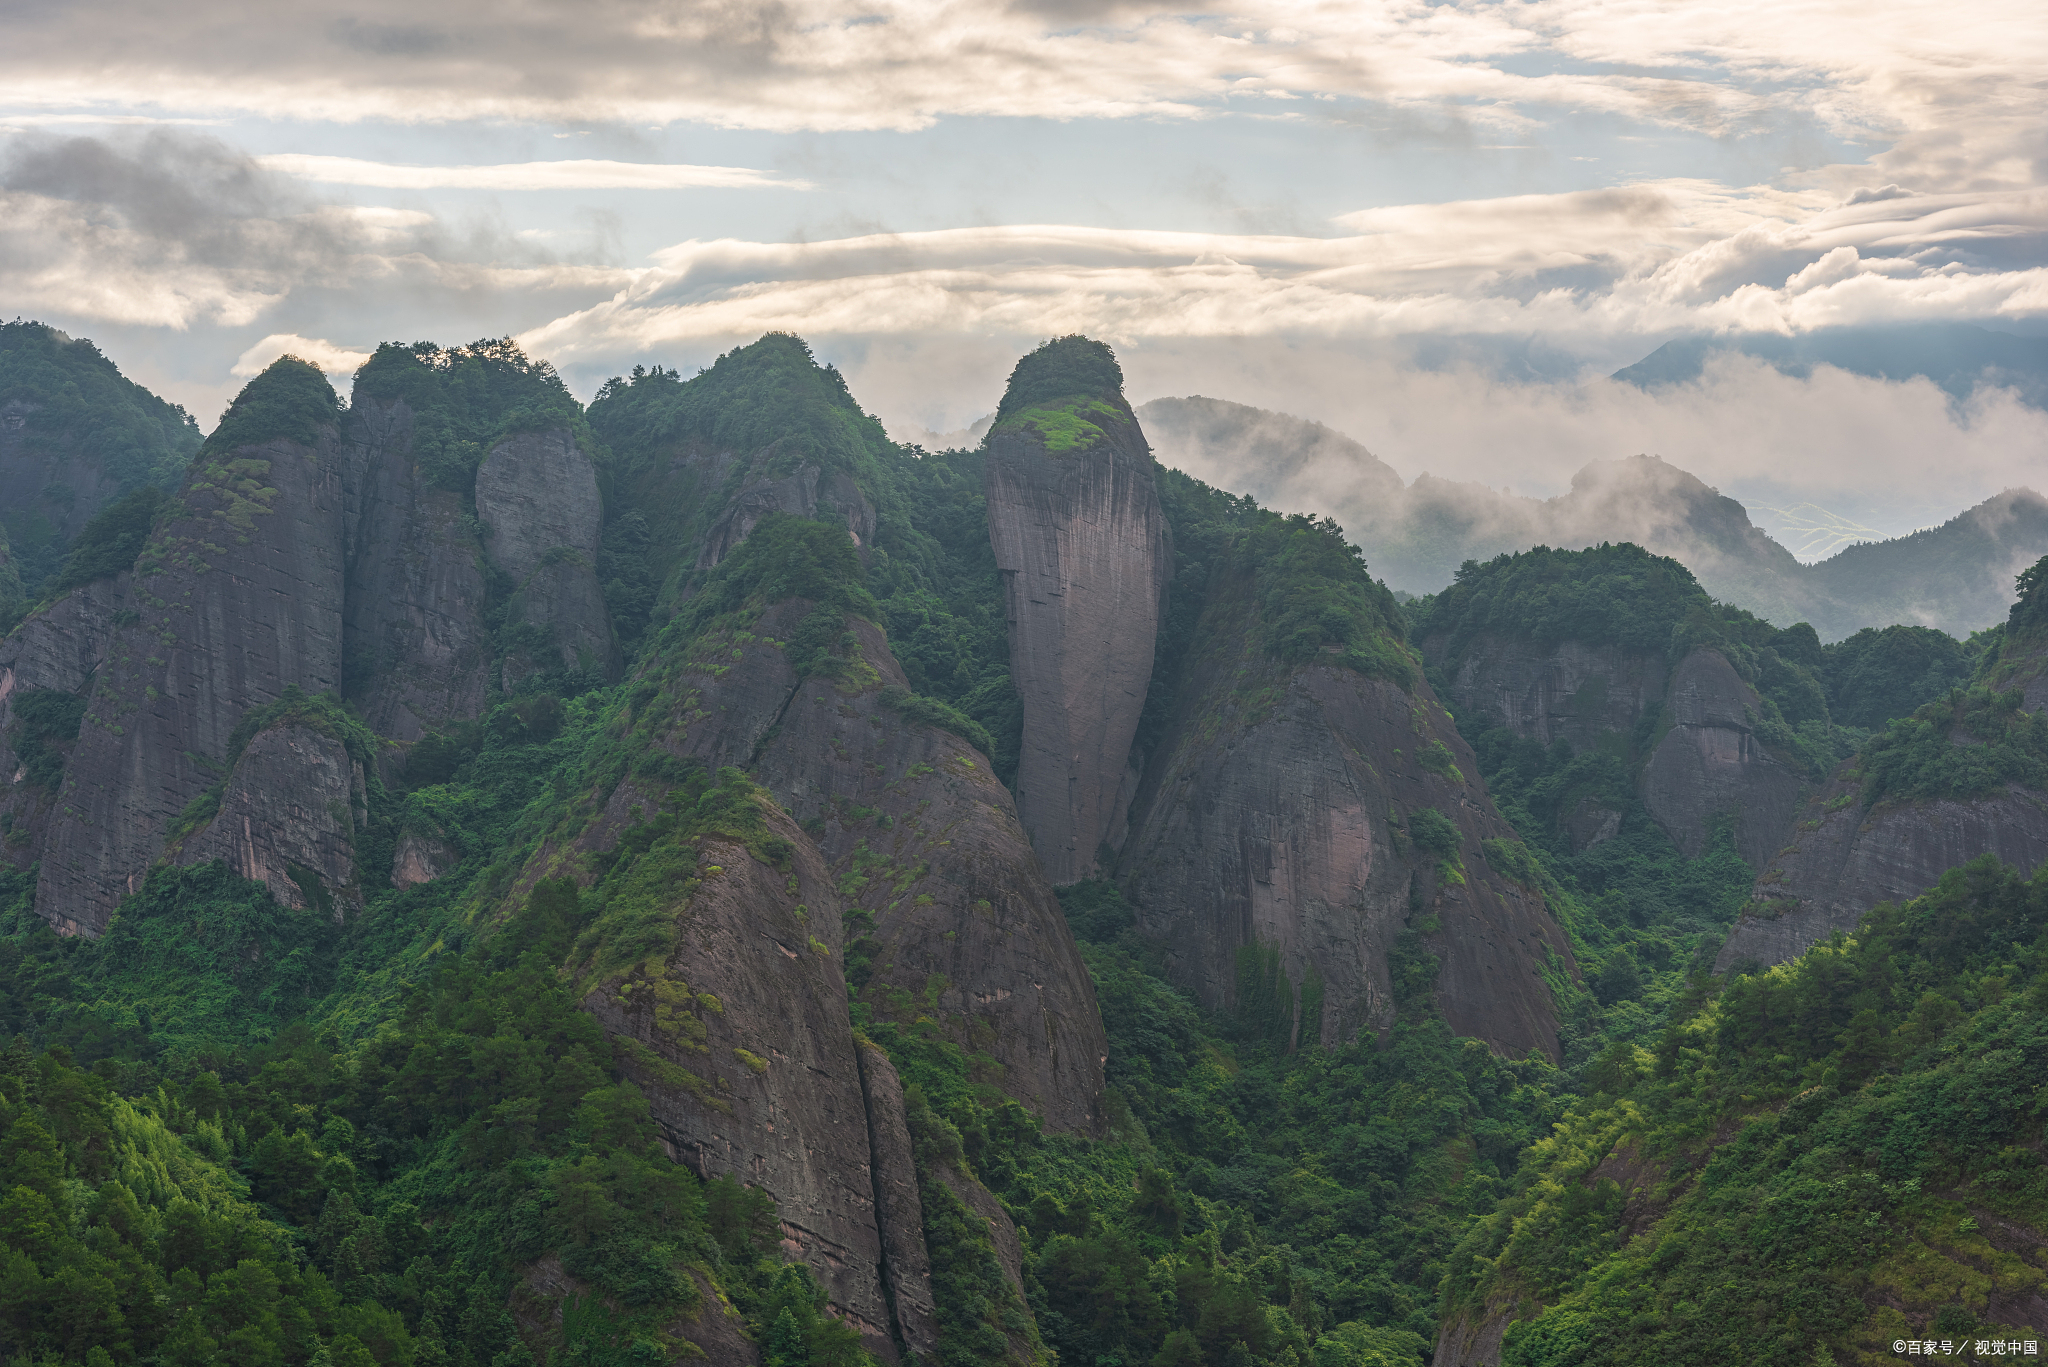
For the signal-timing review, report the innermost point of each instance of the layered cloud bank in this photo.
(1463, 335)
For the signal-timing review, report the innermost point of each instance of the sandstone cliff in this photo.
(1569, 691)
(940, 876)
(416, 648)
(1710, 763)
(53, 652)
(1707, 761)
(537, 498)
(1277, 816)
(1074, 518)
(739, 1034)
(926, 843)
(288, 818)
(1843, 860)
(238, 597)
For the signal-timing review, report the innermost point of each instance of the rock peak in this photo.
(1064, 368)
(291, 399)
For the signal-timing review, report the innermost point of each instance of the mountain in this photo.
(489, 881)
(1957, 357)
(1959, 778)
(75, 434)
(1956, 577)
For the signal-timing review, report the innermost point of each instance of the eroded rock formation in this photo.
(537, 498)
(417, 649)
(288, 818)
(1084, 554)
(1569, 691)
(1275, 818)
(238, 597)
(746, 1052)
(917, 826)
(1710, 764)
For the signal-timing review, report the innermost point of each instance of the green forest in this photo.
(387, 1136)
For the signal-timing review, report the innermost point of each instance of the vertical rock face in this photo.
(239, 596)
(805, 492)
(924, 840)
(287, 818)
(417, 649)
(1710, 763)
(743, 1044)
(915, 823)
(537, 495)
(899, 1212)
(1075, 522)
(58, 649)
(1569, 691)
(1272, 819)
(1844, 860)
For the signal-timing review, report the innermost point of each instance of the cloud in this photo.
(1897, 76)
(528, 175)
(1595, 271)
(334, 360)
(172, 229)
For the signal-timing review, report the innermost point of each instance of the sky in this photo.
(1434, 227)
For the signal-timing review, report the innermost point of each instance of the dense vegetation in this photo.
(71, 401)
(1059, 370)
(465, 400)
(1617, 595)
(1817, 1159)
(111, 541)
(1876, 674)
(931, 574)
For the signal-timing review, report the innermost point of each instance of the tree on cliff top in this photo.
(290, 399)
(1064, 368)
(772, 393)
(1610, 594)
(467, 399)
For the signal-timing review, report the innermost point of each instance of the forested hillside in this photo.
(584, 892)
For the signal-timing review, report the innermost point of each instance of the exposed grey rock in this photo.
(417, 649)
(1843, 860)
(1590, 824)
(801, 493)
(1568, 691)
(1273, 816)
(1711, 764)
(238, 598)
(757, 1075)
(291, 807)
(1468, 1341)
(60, 646)
(1084, 554)
(920, 830)
(537, 495)
(899, 1211)
(421, 858)
(56, 648)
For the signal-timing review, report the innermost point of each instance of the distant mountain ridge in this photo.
(1957, 357)
(1957, 576)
